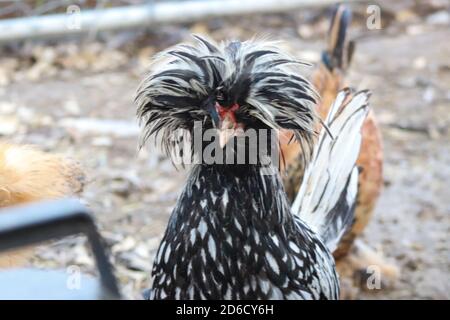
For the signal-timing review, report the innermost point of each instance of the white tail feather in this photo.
(326, 199)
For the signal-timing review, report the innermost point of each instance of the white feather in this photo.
(333, 163)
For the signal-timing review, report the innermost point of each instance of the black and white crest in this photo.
(186, 81)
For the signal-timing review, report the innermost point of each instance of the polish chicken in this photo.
(232, 233)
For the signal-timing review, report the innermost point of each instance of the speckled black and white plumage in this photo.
(232, 234)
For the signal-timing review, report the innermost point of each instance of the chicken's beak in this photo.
(224, 121)
(226, 130)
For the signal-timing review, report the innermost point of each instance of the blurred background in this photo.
(71, 92)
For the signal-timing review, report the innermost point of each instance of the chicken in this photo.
(27, 175)
(328, 79)
(232, 234)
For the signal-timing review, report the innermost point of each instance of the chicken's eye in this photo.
(219, 96)
(219, 93)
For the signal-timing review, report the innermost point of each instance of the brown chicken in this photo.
(328, 79)
(28, 174)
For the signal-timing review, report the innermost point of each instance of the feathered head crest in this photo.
(186, 80)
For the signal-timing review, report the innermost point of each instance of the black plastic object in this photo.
(31, 224)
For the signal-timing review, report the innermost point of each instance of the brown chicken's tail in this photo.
(328, 79)
(339, 52)
(27, 174)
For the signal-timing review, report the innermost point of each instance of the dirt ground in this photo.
(75, 98)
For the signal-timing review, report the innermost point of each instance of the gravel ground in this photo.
(77, 100)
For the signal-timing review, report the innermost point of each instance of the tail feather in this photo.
(340, 50)
(327, 195)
